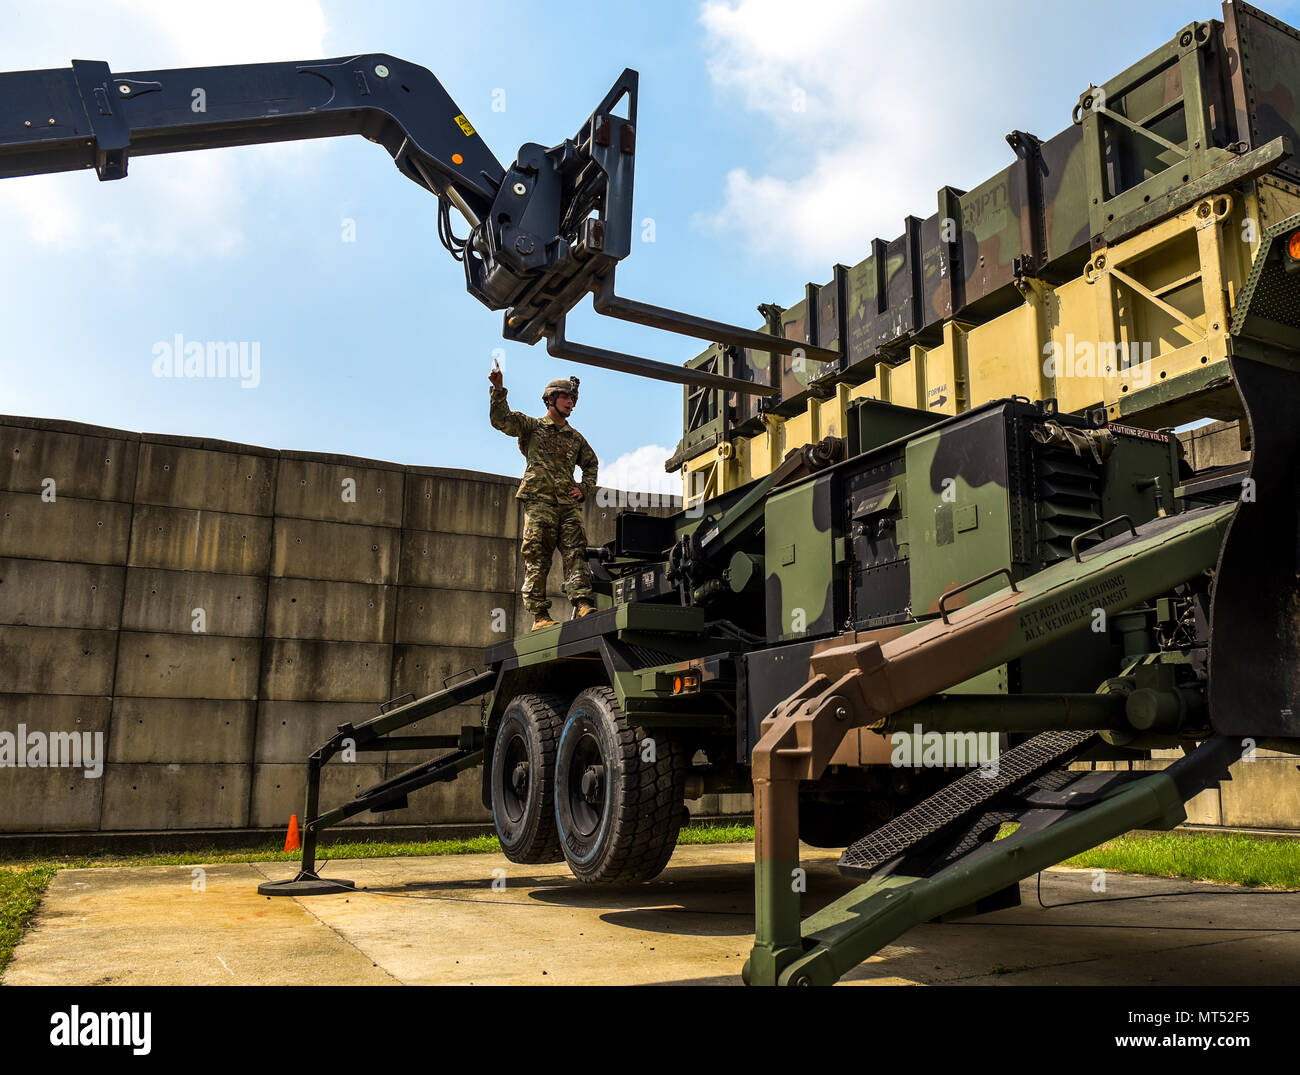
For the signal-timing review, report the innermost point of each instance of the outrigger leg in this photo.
(390, 794)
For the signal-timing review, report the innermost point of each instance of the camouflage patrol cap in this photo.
(568, 385)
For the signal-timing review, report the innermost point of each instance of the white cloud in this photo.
(642, 469)
(190, 205)
(873, 106)
(153, 34)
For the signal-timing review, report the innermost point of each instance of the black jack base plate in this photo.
(306, 884)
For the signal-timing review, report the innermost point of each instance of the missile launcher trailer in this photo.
(939, 494)
(974, 520)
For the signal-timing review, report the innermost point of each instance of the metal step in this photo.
(964, 800)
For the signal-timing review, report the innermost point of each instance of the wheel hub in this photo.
(586, 788)
(593, 783)
(519, 778)
(514, 778)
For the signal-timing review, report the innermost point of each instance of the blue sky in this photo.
(373, 347)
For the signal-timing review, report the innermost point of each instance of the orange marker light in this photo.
(456, 158)
(1293, 245)
(677, 685)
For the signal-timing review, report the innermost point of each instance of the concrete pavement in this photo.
(479, 919)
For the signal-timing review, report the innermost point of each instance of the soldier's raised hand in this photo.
(496, 376)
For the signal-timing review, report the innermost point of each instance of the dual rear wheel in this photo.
(523, 778)
(586, 786)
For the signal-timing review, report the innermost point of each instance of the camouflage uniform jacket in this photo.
(551, 452)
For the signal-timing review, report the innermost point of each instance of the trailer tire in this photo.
(523, 778)
(619, 793)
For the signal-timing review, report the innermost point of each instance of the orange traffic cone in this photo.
(291, 841)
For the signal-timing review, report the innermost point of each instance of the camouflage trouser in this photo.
(547, 527)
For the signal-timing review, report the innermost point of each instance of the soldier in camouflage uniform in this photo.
(552, 518)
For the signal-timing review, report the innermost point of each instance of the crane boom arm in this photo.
(86, 116)
(544, 232)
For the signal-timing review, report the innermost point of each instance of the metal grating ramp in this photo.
(964, 798)
(645, 657)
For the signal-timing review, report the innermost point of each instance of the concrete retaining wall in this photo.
(214, 610)
(1216, 444)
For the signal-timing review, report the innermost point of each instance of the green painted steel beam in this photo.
(632, 616)
(1231, 171)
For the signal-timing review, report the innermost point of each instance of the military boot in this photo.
(542, 619)
(584, 605)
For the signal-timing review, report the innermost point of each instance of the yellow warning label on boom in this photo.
(464, 125)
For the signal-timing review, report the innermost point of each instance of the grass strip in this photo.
(20, 894)
(353, 849)
(1227, 858)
